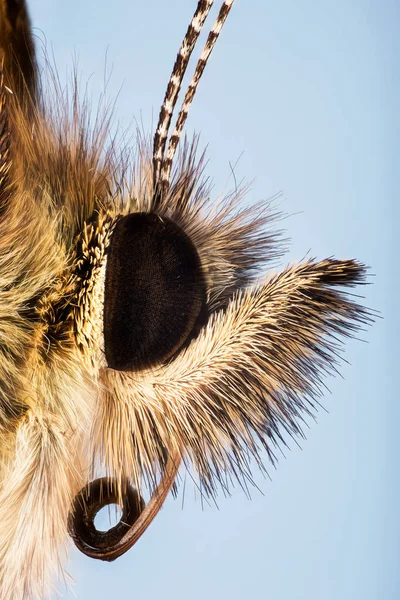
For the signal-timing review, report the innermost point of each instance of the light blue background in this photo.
(308, 92)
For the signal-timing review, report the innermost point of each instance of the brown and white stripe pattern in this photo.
(175, 82)
(180, 123)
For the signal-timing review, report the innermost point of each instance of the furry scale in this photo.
(251, 373)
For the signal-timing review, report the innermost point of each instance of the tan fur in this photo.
(252, 371)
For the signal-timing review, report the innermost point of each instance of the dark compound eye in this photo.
(154, 296)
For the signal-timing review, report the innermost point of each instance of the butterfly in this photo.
(136, 332)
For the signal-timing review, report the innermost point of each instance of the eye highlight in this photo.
(154, 292)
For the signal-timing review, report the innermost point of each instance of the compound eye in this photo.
(154, 296)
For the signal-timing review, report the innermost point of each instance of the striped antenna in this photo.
(183, 114)
(174, 85)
